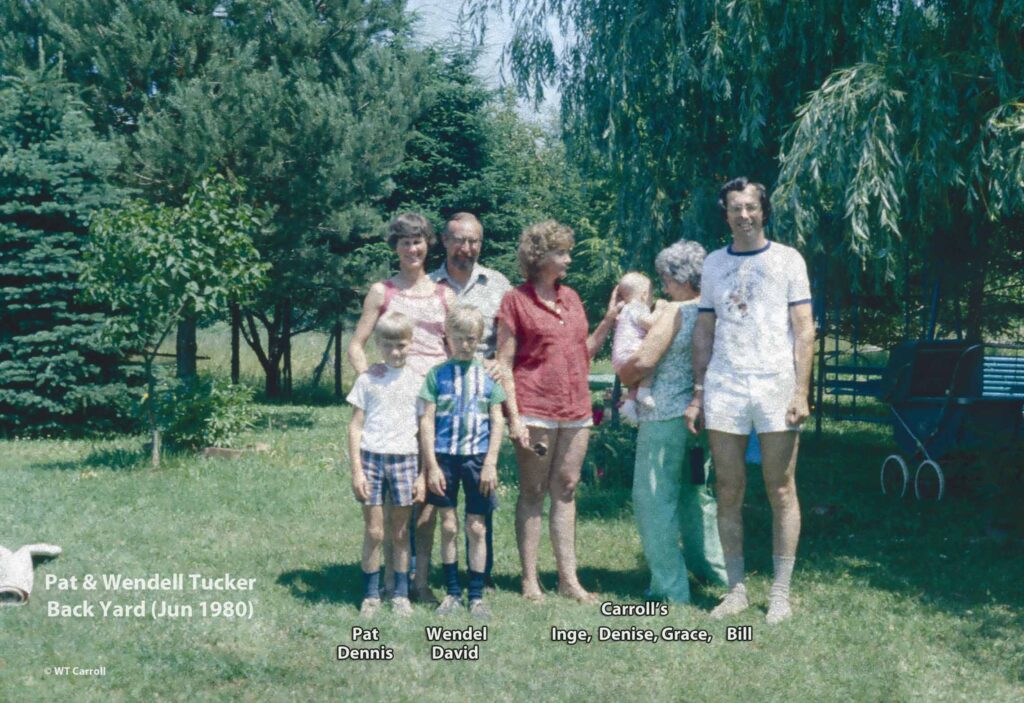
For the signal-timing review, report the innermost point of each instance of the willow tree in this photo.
(667, 98)
(898, 121)
(917, 148)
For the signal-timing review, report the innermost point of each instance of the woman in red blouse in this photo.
(542, 337)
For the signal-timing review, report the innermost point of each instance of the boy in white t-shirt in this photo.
(384, 453)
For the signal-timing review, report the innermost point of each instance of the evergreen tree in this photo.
(308, 102)
(472, 151)
(55, 371)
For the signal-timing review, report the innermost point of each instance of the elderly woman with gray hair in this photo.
(671, 505)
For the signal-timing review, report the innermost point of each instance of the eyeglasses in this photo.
(463, 241)
(739, 209)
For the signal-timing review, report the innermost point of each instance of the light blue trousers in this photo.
(674, 516)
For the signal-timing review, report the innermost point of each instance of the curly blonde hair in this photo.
(538, 240)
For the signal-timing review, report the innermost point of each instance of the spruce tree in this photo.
(55, 372)
(309, 102)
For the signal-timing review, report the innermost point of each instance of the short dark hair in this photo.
(740, 184)
(410, 224)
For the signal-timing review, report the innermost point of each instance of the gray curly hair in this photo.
(683, 262)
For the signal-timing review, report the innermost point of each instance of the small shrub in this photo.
(204, 412)
(610, 455)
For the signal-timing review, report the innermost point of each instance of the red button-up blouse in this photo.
(551, 366)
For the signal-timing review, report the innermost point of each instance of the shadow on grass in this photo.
(963, 556)
(620, 586)
(279, 420)
(304, 396)
(336, 583)
(109, 459)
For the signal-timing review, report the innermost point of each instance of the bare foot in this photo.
(533, 592)
(578, 594)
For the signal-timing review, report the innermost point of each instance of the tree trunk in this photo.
(186, 348)
(337, 360)
(273, 381)
(154, 430)
(978, 270)
(236, 326)
(154, 457)
(286, 343)
(269, 358)
(318, 372)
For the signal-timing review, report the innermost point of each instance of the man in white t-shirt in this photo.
(752, 349)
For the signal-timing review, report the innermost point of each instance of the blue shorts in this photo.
(465, 470)
(396, 472)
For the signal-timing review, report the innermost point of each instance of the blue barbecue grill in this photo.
(944, 397)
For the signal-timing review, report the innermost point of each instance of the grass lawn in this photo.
(894, 600)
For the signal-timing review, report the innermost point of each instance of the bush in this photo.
(203, 412)
(610, 455)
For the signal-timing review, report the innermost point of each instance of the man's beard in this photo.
(462, 263)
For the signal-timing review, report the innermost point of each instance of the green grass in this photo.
(894, 600)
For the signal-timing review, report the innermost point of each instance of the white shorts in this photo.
(739, 403)
(547, 424)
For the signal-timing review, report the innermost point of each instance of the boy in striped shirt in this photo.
(461, 415)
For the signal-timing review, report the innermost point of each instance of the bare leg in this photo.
(476, 531)
(569, 450)
(373, 536)
(778, 451)
(389, 560)
(728, 451)
(533, 486)
(449, 536)
(426, 522)
(400, 537)
(778, 455)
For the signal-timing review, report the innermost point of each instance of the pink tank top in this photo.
(427, 313)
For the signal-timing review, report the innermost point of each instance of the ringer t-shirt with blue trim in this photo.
(751, 294)
(464, 395)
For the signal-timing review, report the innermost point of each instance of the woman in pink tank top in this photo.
(410, 292)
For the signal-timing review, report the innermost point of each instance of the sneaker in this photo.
(424, 596)
(735, 601)
(479, 610)
(778, 610)
(450, 604)
(401, 606)
(628, 412)
(369, 607)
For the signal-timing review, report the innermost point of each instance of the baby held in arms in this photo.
(631, 327)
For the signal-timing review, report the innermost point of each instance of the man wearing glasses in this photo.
(752, 349)
(483, 288)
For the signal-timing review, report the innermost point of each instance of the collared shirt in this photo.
(552, 365)
(463, 394)
(484, 291)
